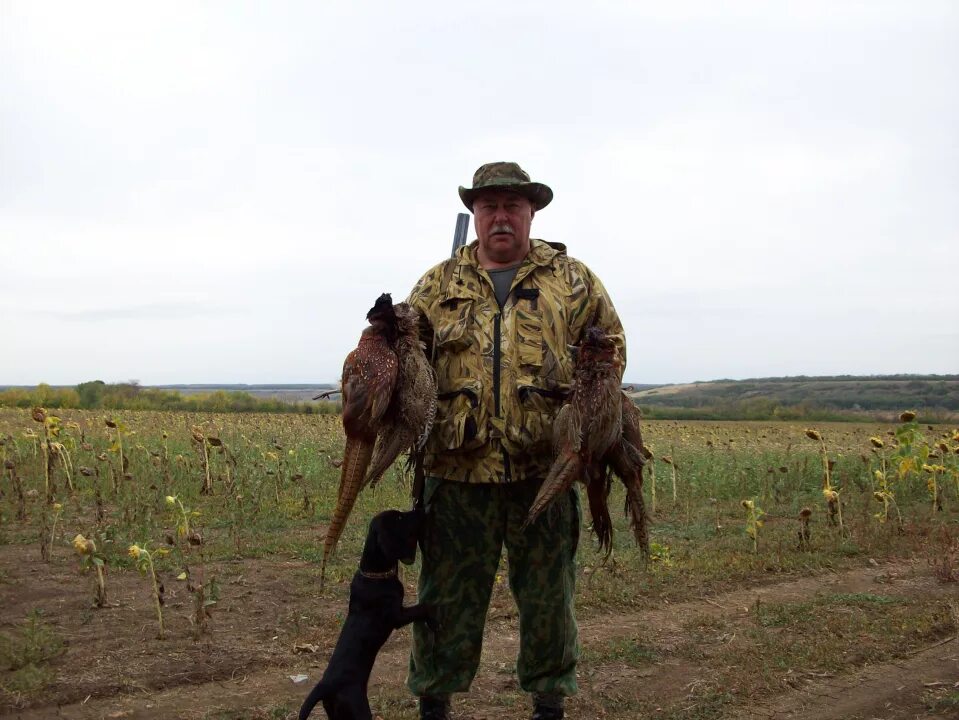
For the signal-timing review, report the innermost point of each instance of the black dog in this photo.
(376, 610)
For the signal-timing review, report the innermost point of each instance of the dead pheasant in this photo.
(590, 439)
(409, 418)
(389, 401)
(626, 460)
(587, 426)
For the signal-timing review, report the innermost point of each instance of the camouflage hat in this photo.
(506, 176)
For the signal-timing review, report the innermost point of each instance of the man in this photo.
(499, 318)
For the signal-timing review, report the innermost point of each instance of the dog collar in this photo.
(378, 575)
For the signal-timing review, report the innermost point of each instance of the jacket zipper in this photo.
(497, 355)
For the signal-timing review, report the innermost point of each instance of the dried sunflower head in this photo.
(83, 546)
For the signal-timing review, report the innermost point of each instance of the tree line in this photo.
(98, 395)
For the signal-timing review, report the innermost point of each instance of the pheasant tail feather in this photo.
(636, 510)
(565, 470)
(392, 441)
(597, 493)
(355, 461)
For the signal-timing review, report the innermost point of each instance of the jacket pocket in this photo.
(451, 325)
(532, 430)
(461, 417)
(529, 338)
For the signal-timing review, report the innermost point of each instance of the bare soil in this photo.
(114, 667)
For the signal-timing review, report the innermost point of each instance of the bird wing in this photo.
(369, 377)
(408, 425)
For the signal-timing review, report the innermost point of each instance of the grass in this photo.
(826, 634)
(942, 700)
(268, 464)
(282, 711)
(27, 653)
(632, 652)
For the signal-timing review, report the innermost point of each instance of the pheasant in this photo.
(626, 460)
(389, 402)
(596, 432)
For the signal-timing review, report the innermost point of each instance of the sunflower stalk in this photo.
(830, 493)
(57, 512)
(117, 448)
(40, 416)
(144, 563)
(882, 489)
(182, 516)
(17, 485)
(200, 440)
(89, 557)
(932, 484)
(652, 484)
(754, 521)
(64, 456)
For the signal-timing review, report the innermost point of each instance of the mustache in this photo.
(502, 228)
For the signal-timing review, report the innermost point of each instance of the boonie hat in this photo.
(506, 176)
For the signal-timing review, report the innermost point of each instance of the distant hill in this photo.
(840, 397)
(206, 397)
(287, 392)
(801, 395)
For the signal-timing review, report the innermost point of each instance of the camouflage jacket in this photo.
(501, 374)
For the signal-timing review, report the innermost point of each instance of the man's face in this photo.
(502, 219)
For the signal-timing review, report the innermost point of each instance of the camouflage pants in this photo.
(466, 528)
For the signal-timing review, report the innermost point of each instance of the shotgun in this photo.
(459, 234)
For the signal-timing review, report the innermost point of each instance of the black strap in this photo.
(531, 294)
(526, 390)
(474, 400)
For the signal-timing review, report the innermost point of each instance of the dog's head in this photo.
(397, 533)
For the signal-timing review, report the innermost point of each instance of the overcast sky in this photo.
(217, 192)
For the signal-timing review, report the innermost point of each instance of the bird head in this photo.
(382, 318)
(407, 319)
(596, 347)
(382, 309)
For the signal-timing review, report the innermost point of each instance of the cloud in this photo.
(235, 186)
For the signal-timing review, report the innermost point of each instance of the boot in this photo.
(435, 708)
(547, 706)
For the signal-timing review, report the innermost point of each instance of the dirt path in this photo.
(882, 692)
(889, 692)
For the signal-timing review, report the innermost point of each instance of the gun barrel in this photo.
(459, 235)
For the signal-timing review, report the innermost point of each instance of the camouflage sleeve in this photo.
(601, 312)
(422, 298)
